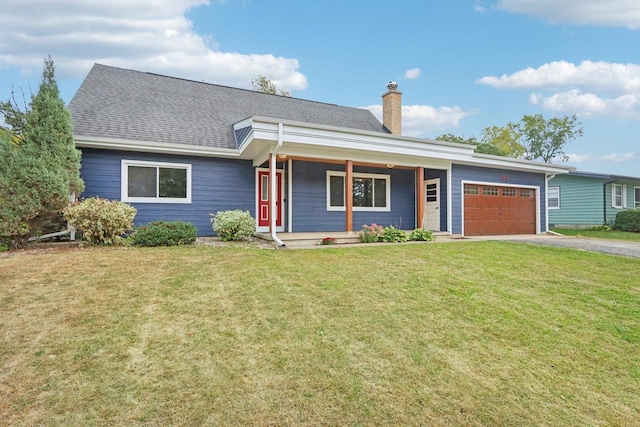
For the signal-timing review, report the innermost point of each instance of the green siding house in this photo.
(584, 199)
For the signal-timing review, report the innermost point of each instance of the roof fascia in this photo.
(488, 160)
(153, 147)
(361, 133)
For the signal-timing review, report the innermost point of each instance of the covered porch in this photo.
(326, 180)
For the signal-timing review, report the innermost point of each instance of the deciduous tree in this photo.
(266, 85)
(532, 138)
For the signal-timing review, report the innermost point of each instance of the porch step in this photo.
(306, 240)
(309, 240)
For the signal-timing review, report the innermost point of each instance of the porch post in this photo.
(348, 195)
(272, 192)
(420, 197)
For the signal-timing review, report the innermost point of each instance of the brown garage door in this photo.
(492, 210)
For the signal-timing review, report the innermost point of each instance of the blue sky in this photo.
(461, 65)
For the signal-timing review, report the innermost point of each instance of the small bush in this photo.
(233, 225)
(599, 228)
(329, 241)
(628, 221)
(101, 221)
(371, 233)
(421, 235)
(165, 233)
(393, 235)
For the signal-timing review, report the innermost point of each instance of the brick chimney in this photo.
(392, 109)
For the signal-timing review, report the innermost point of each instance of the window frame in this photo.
(372, 176)
(124, 190)
(636, 196)
(549, 190)
(623, 196)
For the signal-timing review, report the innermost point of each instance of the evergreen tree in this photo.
(39, 165)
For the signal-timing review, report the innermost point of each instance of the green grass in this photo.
(616, 235)
(466, 333)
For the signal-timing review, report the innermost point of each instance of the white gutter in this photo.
(274, 189)
(546, 200)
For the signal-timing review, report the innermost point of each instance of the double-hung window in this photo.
(636, 192)
(155, 182)
(618, 196)
(371, 192)
(553, 198)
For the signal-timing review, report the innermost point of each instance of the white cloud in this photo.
(621, 158)
(600, 75)
(412, 73)
(604, 158)
(150, 35)
(589, 89)
(420, 120)
(613, 13)
(625, 107)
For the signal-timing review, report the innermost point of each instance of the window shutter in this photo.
(624, 196)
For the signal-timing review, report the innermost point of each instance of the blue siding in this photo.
(461, 173)
(217, 184)
(442, 174)
(310, 199)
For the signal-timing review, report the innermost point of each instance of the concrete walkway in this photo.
(613, 247)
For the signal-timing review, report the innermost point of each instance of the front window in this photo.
(370, 191)
(553, 198)
(637, 197)
(154, 182)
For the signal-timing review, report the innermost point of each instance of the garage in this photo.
(496, 210)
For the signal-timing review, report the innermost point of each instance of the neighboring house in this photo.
(584, 199)
(181, 149)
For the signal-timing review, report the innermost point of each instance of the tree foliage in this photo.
(544, 139)
(39, 165)
(266, 85)
(532, 138)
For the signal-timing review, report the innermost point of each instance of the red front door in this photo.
(263, 199)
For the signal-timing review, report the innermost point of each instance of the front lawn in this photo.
(465, 333)
(615, 235)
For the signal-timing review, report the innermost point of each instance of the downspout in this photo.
(546, 200)
(604, 198)
(274, 190)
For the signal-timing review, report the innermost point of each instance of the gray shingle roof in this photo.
(125, 104)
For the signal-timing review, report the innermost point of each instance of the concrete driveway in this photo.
(613, 247)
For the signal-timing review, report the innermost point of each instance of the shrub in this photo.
(329, 241)
(371, 233)
(598, 228)
(420, 234)
(393, 235)
(628, 221)
(165, 233)
(101, 221)
(233, 225)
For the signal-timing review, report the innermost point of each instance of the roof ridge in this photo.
(226, 86)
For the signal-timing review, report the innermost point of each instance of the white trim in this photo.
(124, 181)
(499, 184)
(623, 194)
(153, 147)
(387, 178)
(290, 195)
(449, 203)
(555, 187)
(636, 199)
(264, 229)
